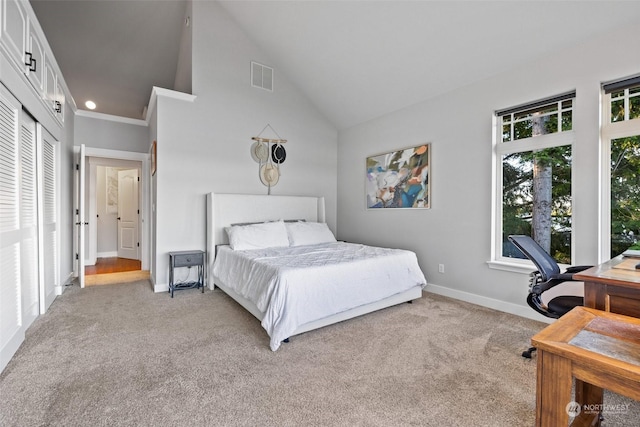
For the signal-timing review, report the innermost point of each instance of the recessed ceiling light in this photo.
(90, 105)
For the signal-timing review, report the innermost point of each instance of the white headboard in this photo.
(226, 209)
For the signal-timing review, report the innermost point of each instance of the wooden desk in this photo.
(600, 349)
(613, 286)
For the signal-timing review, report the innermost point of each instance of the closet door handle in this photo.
(58, 106)
(28, 59)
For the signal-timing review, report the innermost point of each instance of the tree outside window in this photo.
(621, 140)
(535, 170)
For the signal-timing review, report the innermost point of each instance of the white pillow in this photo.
(258, 236)
(309, 233)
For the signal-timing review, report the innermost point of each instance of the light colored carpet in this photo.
(116, 278)
(125, 356)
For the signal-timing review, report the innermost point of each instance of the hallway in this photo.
(112, 265)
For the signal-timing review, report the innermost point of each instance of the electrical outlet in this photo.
(441, 268)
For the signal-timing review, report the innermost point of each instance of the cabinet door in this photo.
(35, 55)
(59, 102)
(50, 85)
(14, 31)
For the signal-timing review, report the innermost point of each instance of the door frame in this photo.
(144, 188)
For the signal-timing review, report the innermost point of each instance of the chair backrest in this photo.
(546, 265)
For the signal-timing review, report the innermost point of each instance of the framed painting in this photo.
(154, 158)
(112, 189)
(399, 179)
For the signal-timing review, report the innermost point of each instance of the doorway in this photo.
(113, 206)
(85, 206)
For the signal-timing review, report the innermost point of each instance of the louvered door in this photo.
(49, 214)
(11, 332)
(28, 220)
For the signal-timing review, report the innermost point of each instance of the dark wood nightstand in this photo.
(186, 259)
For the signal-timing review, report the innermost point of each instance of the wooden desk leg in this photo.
(553, 390)
(595, 296)
(588, 396)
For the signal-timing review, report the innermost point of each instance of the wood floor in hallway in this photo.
(113, 265)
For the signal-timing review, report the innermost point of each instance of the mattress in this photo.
(292, 286)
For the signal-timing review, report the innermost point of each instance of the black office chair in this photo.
(546, 277)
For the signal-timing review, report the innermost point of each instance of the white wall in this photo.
(456, 231)
(110, 132)
(204, 146)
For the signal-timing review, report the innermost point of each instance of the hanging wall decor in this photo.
(269, 153)
(399, 179)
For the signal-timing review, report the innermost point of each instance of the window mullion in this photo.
(536, 143)
(626, 104)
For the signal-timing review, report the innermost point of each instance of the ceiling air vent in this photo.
(261, 76)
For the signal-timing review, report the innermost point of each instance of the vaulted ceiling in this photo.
(355, 60)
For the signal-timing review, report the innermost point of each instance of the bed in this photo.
(294, 287)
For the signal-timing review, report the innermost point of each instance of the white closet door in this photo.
(28, 221)
(11, 332)
(49, 215)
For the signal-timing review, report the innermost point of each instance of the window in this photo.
(533, 177)
(621, 148)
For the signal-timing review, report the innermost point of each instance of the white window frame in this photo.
(500, 148)
(610, 131)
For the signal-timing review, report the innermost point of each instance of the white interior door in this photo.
(80, 215)
(48, 214)
(28, 221)
(128, 214)
(11, 332)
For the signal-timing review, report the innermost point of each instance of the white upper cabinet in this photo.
(34, 59)
(14, 31)
(24, 43)
(58, 103)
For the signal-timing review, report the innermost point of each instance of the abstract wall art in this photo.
(399, 179)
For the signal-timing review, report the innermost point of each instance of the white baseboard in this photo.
(111, 254)
(161, 288)
(158, 287)
(59, 289)
(10, 348)
(507, 307)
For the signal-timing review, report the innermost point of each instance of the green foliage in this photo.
(518, 196)
(625, 194)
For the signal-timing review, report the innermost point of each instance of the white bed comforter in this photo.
(292, 286)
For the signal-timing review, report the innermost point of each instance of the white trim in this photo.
(499, 149)
(155, 92)
(110, 117)
(107, 254)
(158, 91)
(608, 132)
(494, 304)
(114, 154)
(10, 348)
(525, 267)
(145, 244)
(163, 287)
(59, 289)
